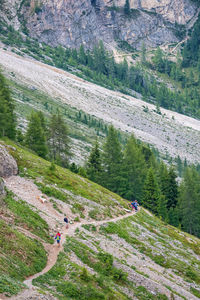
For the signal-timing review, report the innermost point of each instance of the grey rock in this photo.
(8, 165)
(72, 23)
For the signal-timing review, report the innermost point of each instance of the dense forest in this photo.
(130, 170)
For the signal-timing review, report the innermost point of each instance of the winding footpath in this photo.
(25, 189)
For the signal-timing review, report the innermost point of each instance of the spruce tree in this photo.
(189, 201)
(171, 192)
(7, 116)
(162, 207)
(151, 192)
(112, 161)
(134, 167)
(58, 140)
(82, 55)
(94, 165)
(35, 137)
(173, 216)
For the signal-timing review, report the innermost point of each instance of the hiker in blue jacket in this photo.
(134, 205)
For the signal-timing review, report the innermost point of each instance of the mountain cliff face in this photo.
(72, 23)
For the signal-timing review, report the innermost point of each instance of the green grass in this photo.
(169, 257)
(20, 257)
(25, 217)
(68, 279)
(34, 167)
(195, 292)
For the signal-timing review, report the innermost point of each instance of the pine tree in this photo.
(112, 161)
(7, 116)
(158, 60)
(134, 167)
(163, 179)
(35, 137)
(82, 55)
(151, 192)
(173, 216)
(162, 207)
(171, 192)
(58, 140)
(189, 201)
(94, 165)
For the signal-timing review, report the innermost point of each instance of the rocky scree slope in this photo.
(72, 23)
(171, 133)
(136, 257)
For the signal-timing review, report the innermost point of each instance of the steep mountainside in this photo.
(108, 252)
(71, 24)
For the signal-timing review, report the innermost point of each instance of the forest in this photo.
(130, 170)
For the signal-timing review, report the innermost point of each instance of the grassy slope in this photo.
(82, 271)
(20, 257)
(171, 259)
(62, 184)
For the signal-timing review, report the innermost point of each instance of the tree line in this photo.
(130, 170)
(133, 172)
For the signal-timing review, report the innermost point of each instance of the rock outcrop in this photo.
(8, 165)
(72, 23)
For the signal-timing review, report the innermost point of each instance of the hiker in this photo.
(134, 205)
(58, 238)
(66, 221)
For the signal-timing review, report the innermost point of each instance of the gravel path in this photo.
(26, 190)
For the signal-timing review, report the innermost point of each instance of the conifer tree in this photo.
(74, 168)
(112, 161)
(134, 167)
(94, 165)
(163, 179)
(171, 192)
(189, 201)
(35, 137)
(82, 55)
(58, 140)
(151, 192)
(7, 116)
(173, 216)
(162, 207)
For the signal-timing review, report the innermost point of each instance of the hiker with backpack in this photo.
(58, 238)
(134, 205)
(66, 221)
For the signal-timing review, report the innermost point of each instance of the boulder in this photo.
(8, 165)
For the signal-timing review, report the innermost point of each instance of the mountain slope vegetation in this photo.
(137, 256)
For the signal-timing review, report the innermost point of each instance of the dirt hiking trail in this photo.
(26, 190)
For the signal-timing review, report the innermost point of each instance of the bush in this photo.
(84, 275)
(119, 275)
